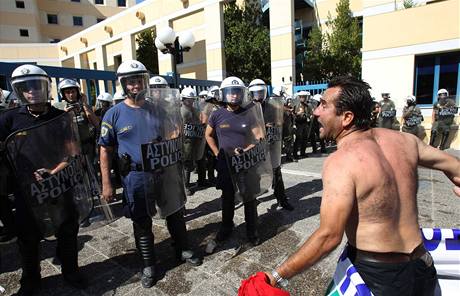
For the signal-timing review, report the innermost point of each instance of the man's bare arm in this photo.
(336, 205)
(210, 139)
(106, 163)
(436, 159)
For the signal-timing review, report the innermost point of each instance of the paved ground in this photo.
(107, 255)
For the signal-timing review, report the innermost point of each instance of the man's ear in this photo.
(347, 118)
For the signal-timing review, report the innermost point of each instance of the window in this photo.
(78, 21)
(122, 3)
(23, 32)
(101, 2)
(52, 19)
(75, 0)
(433, 72)
(55, 40)
(20, 4)
(100, 20)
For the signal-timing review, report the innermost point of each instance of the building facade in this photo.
(45, 21)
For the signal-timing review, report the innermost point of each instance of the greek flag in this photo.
(346, 280)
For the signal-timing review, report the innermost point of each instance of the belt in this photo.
(389, 257)
(136, 167)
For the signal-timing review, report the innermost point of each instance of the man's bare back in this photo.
(384, 174)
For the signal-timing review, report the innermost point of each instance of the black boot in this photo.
(145, 244)
(279, 193)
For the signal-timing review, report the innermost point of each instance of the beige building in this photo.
(44, 21)
(405, 51)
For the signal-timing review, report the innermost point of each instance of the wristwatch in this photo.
(279, 280)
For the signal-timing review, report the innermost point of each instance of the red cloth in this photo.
(258, 285)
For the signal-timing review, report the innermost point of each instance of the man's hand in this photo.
(456, 181)
(41, 174)
(107, 192)
(271, 279)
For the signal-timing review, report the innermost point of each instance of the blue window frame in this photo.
(433, 72)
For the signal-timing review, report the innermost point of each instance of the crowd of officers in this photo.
(110, 133)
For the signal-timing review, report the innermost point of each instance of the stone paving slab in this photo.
(108, 258)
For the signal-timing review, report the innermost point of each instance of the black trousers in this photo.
(413, 278)
(224, 182)
(29, 238)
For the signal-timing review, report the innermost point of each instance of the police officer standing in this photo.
(412, 116)
(33, 87)
(124, 127)
(232, 94)
(375, 114)
(387, 110)
(303, 115)
(193, 133)
(288, 129)
(258, 94)
(444, 111)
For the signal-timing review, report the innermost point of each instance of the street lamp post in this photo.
(168, 43)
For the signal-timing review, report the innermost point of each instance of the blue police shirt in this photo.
(127, 128)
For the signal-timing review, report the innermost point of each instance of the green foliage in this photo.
(408, 4)
(247, 42)
(146, 52)
(337, 52)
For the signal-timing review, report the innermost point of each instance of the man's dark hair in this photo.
(354, 96)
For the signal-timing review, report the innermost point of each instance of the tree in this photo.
(246, 42)
(146, 52)
(337, 52)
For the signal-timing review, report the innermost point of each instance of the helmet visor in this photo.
(158, 86)
(233, 95)
(34, 90)
(135, 84)
(258, 94)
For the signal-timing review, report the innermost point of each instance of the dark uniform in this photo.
(303, 118)
(444, 113)
(375, 114)
(288, 132)
(191, 118)
(412, 117)
(387, 114)
(27, 229)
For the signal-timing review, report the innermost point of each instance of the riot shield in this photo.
(194, 141)
(161, 150)
(273, 117)
(51, 172)
(242, 139)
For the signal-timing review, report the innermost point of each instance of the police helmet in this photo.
(158, 82)
(317, 97)
(443, 92)
(232, 91)
(134, 78)
(69, 84)
(31, 84)
(385, 94)
(410, 100)
(279, 90)
(203, 94)
(105, 97)
(257, 90)
(118, 97)
(188, 93)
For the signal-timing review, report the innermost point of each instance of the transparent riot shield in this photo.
(161, 151)
(242, 139)
(273, 117)
(51, 172)
(194, 141)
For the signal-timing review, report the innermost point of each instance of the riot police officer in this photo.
(288, 129)
(375, 114)
(103, 103)
(273, 117)
(33, 87)
(118, 97)
(88, 122)
(303, 116)
(238, 129)
(126, 126)
(193, 133)
(158, 82)
(444, 111)
(412, 116)
(387, 112)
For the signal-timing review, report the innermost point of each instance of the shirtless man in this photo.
(382, 201)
